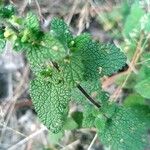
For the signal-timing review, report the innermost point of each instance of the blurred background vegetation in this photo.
(123, 22)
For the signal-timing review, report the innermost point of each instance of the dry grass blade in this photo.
(14, 147)
(17, 94)
(92, 143)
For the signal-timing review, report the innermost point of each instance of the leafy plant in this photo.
(136, 36)
(67, 68)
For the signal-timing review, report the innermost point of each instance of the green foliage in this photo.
(92, 88)
(31, 22)
(61, 63)
(70, 124)
(133, 19)
(143, 88)
(89, 112)
(55, 137)
(146, 20)
(111, 59)
(72, 70)
(89, 116)
(98, 59)
(129, 84)
(125, 130)
(2, 40)
(112, 21)
(61, 31)
(144, 71)
(78, 117)
(2, 44)
(134, 99)
(136, 30)
(50, 100)
(40, 56)
(7, 11)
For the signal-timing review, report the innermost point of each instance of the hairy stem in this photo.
(88, 96)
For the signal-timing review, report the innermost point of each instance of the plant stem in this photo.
(88, 96)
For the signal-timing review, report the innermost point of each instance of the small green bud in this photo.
(10, 34)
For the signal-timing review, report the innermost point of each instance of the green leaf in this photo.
(89, 116)
(81, 40)
(7, 11)
(134, 99)
(111, 59)
(92, 88)
(98, 59)
(51, 102)
(145, 21)
(100, 121)
(72, 70)
(57, 51)
(40, 56)
(20, 46)
(89, 111)
(145, 25)
(144, 71)
(78, 117)
(90, 55)
(133, 20)
(143, 88)
(126, 129)
(61, 31)
(109, 109)
(70, 124)
(54, 138)
(32, 22)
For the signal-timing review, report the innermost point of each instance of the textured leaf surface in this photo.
(143, 88)
(56, 49)
(126, 129)
(111, 59)
(72, 70)
(98, 59)
(39, 56)
(32, 22)
(89, 112)
(50, 102)
(89, 116)
(92, 88)
(90, 55)
(61, 31)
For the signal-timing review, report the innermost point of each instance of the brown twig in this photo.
(110, 80)
(39, 11)
(23, 103)
(135, 58)
(17, 94)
